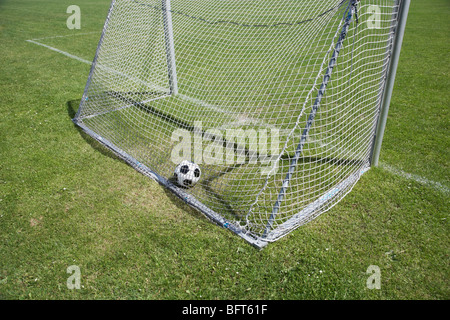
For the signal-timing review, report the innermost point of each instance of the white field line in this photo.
(68, 35)
(409, 176)
(181, 96)
(435, 185)
(60, 51)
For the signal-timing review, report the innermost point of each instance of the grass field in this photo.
(66, 201)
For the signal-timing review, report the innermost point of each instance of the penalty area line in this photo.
(409, 176)
(435, 185)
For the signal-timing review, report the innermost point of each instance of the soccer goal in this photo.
(276, 106)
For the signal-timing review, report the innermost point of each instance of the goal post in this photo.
(348, 16)
(281, 104)
(402, 12)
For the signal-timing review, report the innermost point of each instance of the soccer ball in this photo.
(187, 173)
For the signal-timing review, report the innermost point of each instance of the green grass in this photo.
(64, 200)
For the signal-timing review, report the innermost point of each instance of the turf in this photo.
(64, 200)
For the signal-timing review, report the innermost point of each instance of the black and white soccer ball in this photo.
(187, 173)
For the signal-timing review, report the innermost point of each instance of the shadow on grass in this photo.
(72, 107)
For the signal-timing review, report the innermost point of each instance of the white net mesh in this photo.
(230, 85)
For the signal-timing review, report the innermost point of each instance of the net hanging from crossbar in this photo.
(276, 101)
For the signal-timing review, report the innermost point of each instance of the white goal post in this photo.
(281, 104)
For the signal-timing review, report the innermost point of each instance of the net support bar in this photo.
(170, 47)
(403, 14)
(348, 17)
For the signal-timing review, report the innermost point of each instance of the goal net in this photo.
(276, 101)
